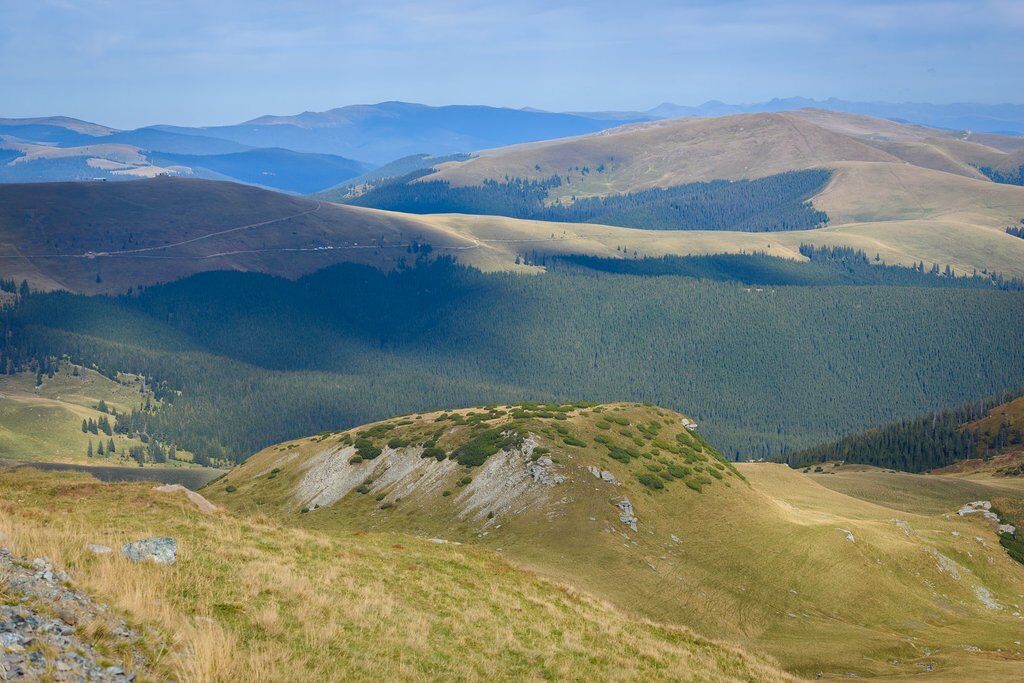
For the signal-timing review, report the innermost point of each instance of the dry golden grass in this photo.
(765, 564)
(251, 600)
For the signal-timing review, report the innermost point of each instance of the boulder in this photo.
(98, 549)
(158, 549)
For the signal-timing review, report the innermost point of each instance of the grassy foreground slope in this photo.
(252, 600)
(757, 554)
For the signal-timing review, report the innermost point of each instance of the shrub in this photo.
(465, 481)
(679, 471)
(715, 473)
(363, 488)
(366, 449)
(355, 460)
(693, 485)
(380, 496)
(304, 510)
(446, 493)
(397, 442)
(619, 454)
(650, 481)
(474, 452)
(433, 452)
(601, 438)
(231, 489)
(602, 425)
(573, 441)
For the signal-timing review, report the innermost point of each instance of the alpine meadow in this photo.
(525, 376)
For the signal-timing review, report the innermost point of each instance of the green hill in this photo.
(627, 502)
(110, 237)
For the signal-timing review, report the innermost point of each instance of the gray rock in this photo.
(158, 549)
(626, 515)
(98, 549)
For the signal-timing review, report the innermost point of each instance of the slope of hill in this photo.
(942, 439)
(261, 359)
(280, 169)
(255, 600)
(148, 153)
(627, 502)
(380, 133)
(69, 414)
(972, 116)
(109, 237)
(906, 193)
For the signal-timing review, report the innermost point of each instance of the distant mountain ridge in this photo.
(985, 118)
(380, 133)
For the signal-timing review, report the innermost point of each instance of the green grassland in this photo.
(756, 554)
(44, 422)
(254, 600)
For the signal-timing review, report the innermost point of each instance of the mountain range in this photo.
(314, 151)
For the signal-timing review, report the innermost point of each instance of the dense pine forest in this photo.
(919, 444)
(826, 266)
(778, 202)
(259, 359)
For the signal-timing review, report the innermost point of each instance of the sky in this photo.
(208, 62)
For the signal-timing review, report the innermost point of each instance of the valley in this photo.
(401, 391)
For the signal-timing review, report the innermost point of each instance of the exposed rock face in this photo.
(158, 549)
(39, 639)
(542, 471)
(848, 534)
(626, 515)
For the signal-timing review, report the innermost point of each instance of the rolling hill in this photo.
(109, 237)
(149, 153)
(906, 193)
(629, 503)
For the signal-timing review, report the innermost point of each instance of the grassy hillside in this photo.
(254, 600)
(906, 193)
(109, 237)
(759, 555)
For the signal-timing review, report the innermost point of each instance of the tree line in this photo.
(774, 203)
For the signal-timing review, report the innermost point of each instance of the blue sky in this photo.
(196, 62)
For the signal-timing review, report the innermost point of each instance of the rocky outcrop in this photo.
(984, 508)
(603, 475)
(626, 515)
(158, 549)
(39, 634)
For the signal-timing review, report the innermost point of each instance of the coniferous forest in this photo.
(251, 359)
(918, 444)
(773, 203)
